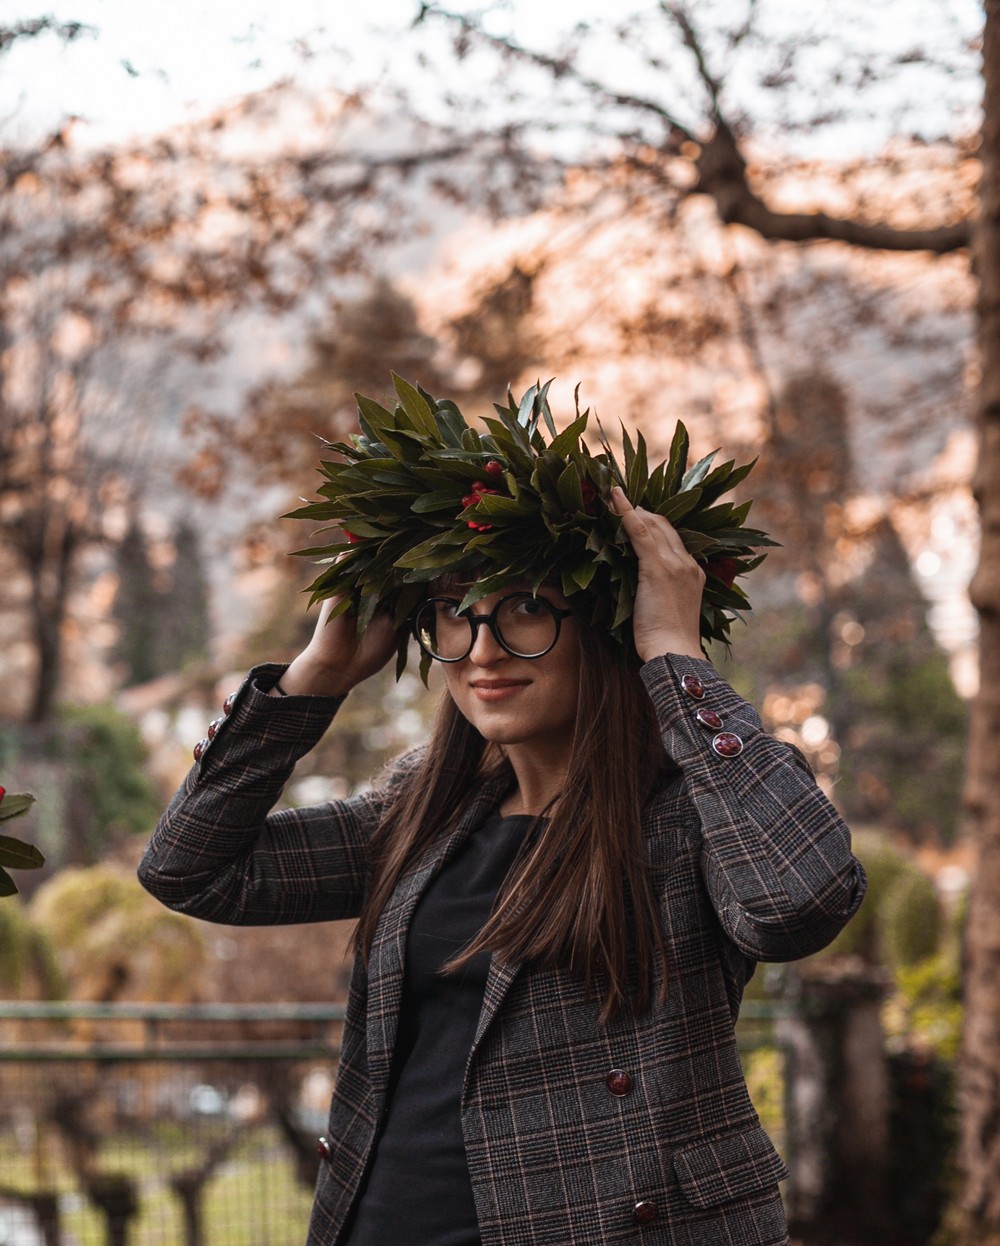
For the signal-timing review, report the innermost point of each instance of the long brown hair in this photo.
(579, 896)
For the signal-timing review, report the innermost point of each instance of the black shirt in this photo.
(417, 1191)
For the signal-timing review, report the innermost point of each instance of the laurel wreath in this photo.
(419, 494)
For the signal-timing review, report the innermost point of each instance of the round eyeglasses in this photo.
(524, 625)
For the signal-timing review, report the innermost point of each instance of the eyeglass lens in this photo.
(524, 625)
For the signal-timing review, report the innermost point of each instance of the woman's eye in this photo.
(529, 605)
(447, 610)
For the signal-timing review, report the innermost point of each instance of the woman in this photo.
(561, 900)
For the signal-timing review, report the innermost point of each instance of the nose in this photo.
(486, 649)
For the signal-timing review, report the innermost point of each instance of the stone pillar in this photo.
(837, 1102)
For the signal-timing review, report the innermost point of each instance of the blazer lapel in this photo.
(498, 981)
(388, 954)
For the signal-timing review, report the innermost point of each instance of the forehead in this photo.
(459, 585)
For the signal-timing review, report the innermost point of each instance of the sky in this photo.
(152, 63)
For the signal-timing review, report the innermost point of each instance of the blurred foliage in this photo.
(135, 607)
(899, 924)
(90, 762)
(903, 754)
(923, 1132)
(104, 758)
(764, 1070)
(28, 962)
(277, 438)
(839, 655)
(114, 940)
(890, 727)
(928, 1005)
(162, 611)
(498, 334)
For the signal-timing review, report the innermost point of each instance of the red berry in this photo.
(494, 468)
(470, 499)
(3, 792)
(723, 568)
(351, 537)
(480, 486)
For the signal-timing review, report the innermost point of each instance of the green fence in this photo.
(142, 1125)
(185, 1125)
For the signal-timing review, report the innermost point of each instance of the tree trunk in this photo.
(980, 1066)
(837, 1107)
(50, 567)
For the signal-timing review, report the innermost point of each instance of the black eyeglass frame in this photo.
(477, 621)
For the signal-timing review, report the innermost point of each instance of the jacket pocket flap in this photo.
(726, 1168)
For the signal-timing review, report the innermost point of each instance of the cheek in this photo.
(452, 684)
(567, 692)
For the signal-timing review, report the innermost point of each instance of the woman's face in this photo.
(519, 701)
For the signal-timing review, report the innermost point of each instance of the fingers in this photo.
(667, 607)
(649, 533)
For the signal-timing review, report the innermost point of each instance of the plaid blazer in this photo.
(639, 1132)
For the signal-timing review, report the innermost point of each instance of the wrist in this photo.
(663, 643)
(305, 677)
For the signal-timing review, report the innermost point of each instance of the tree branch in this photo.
(722, 176)
(28, 29)
(678, 14)
(562, 67)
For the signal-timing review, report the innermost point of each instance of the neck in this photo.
(540, 778)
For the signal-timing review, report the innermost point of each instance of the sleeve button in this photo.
(709, 718)
(213, 727)
(323, 1148)
(693, 686)
(199, 749)
(727, 744)
(228, 703)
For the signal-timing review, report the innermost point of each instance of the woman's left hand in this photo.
(668, 601)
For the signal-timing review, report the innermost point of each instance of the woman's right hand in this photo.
(337, 658)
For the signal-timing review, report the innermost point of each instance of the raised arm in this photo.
(775, 854)
(218, 852)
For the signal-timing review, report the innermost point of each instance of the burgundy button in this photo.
(693, 686)
(216, 723)
(645, 1212)
(323, 1148)
(228, 703)
(709, 718)
(619, 1083)
(727, 744)
(199, 749)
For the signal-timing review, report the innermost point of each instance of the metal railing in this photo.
(189, 1125)
(160, 1124)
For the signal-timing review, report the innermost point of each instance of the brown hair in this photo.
(579, 896)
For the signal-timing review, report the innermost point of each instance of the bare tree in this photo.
(672, 157)
(122, 272)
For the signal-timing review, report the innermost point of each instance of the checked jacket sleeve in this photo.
(775, 854)
(219, 853)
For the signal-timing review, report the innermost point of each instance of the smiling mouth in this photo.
(498, 689)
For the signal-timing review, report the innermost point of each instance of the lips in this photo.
(497, 689)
